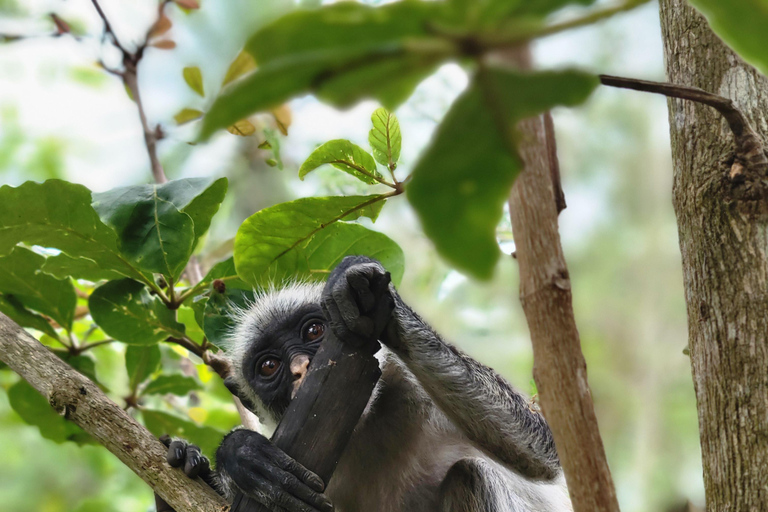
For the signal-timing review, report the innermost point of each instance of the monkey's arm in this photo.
(478, 401)
(494, 416)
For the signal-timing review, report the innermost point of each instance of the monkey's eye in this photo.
(269, 366)
(314, 331)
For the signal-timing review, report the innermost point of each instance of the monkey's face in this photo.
(276, 362)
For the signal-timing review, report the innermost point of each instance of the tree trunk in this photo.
(722, 217)
(560, 370)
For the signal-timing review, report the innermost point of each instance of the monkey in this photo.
(441, 432)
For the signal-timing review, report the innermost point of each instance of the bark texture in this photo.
(559, 368)
(721, 214)
(78, 399)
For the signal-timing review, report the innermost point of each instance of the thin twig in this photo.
(108, 28)
(89, 346)
(749, 145)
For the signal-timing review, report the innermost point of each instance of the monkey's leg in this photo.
(473, 485)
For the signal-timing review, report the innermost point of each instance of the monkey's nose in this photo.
(298, 367)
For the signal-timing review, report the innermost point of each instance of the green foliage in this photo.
(194, 78)
(158, 225)
(174, 384)
(281, 242)
(126, 310)
(21, 279)
(345, 156)
(16, 311)
(741, 24)
(459, 189)
(343, 52)
(385, 137)
(35, 410)
(141, 363)
(59, 214)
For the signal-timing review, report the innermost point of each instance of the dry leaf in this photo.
(186, 115)
(243, 128)
(194, 78)
(160, 27)
(242, 64)
(188, 4)
(282, 115)
(165, 44)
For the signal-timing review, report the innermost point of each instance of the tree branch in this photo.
(750, 150)
(560, 370)
(79, 400)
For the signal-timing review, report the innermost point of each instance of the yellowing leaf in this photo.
(198, 414)
(204, 373)
(187, 4)
(243, 128)
(282, 115)
(160, 27)
(180, 350)
(243, 63)
(194, 78)
(165, 44)
(186, 115)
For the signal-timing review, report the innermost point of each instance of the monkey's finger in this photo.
(272, 496)
(299, 490)
(297, 469)
(338, 325)
(166, 440)
(195, 463)
(362, 288)
(176, 455)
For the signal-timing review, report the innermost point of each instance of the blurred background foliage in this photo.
(61, 116)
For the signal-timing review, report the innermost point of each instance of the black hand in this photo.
(357, 301)
(188, 457)
(265, 473)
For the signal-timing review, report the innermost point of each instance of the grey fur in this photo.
(441, 432)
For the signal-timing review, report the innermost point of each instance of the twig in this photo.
(108, 28)
(89, 346)
(749, 145)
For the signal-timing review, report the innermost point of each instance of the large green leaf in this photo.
(141, 362)
(178, 385)
(271, 242)
(20, 278)
(742, 25)
(126, 311)
(199, 198)
(62, 266)
(345, 156)
(17, 312)
(345, 51)
(463, 179)
(153, 233)
(59, 214)
(385, 137)
(221, 313)
(35, 410)
(161, 423)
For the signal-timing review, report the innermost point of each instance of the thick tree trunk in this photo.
(722, 218)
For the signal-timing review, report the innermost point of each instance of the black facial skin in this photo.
(281, 341)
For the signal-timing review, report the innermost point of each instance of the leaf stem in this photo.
(88, 346)
(364, 171)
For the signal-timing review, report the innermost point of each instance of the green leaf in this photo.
(463, 179)
(141, 363)
(344, 156)
(20, 278)
(159, 225)
(221, 313)
(385, 137)
(63, 266)
(186, 115)
(178, 385)
(193, 330)
(59, 214)
(225, 271)
(741, 24)
(16, 311)
(35, 410)
(194, 79)
(282, 231)
(126, 311)
(161, 423)
(344, 51)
